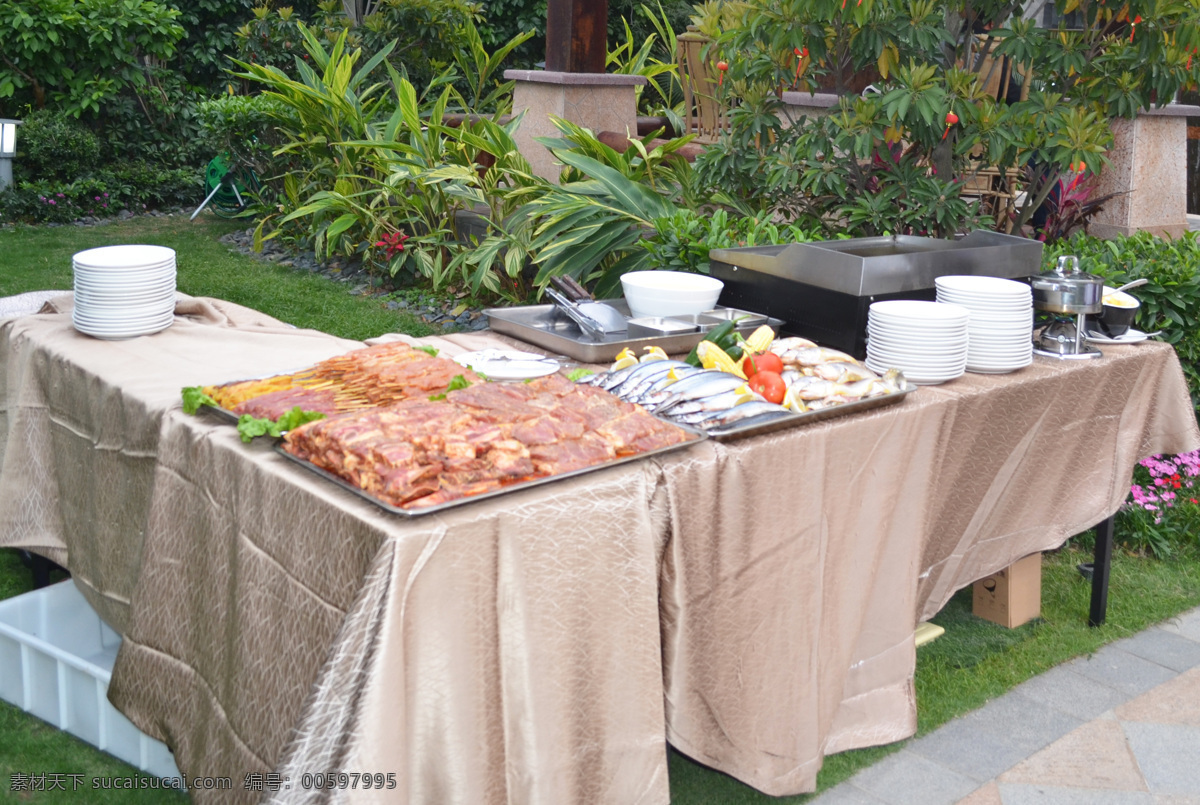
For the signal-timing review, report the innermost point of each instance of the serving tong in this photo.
(595, 319)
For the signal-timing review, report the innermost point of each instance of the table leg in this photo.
(1100, 568)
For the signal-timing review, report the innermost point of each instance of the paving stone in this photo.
(1167, 755)
(1119, 669)
(1165, 648)
(986, 743)
(1173, 702)
(846, 794)
(1187, 625)
(1024, 794)
(1094, 756)
(908, 779)
(988, 794)
(1072, 693)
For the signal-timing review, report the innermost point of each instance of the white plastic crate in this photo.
(56, 658)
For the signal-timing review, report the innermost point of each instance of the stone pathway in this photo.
(1121, 727)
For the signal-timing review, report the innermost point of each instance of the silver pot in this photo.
(1066, 289)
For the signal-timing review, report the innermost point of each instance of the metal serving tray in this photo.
(751, 428)
(546, 327)
(694, 434)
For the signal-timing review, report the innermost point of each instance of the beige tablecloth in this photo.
(505, 652)
(798, 564)
(509, 651)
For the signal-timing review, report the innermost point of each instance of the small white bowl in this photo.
(669, 293)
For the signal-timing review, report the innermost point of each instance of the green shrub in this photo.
(1170, 301)
(53, 146)
(247, 128)
(682, 241)
(76, 55)
(134, 186)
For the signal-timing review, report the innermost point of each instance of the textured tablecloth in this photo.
(504, 652)
(798, 564)
(509, 651)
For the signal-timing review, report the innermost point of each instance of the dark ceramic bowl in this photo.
(1120, 309)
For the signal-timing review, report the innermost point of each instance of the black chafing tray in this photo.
(823, 291)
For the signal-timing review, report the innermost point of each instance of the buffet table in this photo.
(519, 650)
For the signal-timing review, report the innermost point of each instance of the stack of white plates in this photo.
(124, 291)
(1001, 327)
(925, 340)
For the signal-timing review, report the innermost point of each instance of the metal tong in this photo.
(595, 319)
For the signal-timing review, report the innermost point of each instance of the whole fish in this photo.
(621, 380)
(744, 414)
(812, 356)
(694, 410)
(701, 387)
(660, 389)
(782, 345)
(810, 387)
(634, 388)
(612, 379)
(843, 372)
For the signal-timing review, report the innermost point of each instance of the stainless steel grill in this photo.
(823, 290)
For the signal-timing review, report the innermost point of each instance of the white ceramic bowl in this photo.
(669, 293)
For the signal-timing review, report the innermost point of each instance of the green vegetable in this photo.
(724, 336)
(249, 427)
(457, 382)
(194, 397)
(578, 373)
(433, 351)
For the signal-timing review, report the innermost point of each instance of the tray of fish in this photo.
(821, 383)
(548, 327)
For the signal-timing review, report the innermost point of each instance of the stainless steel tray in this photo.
(546, 327)
(695, 437)
(741, 431)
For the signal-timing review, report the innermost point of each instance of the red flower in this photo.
(392, 244)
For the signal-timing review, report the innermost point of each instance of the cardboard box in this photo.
(1013, 596)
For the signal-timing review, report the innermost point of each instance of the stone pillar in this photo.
(1148, 169)
(597, 101)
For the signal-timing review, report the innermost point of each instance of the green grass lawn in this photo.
(39, 258)
(972, 663)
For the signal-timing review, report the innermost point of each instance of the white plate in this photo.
(993, 370)
(124, 255)
(975, 284)
(1131, 336)
(911, 310)
(919, 366)
(113, 335)
(508, 364)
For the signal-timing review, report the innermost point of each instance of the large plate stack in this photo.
(1001, 330)
(926, 340)
(124, 291)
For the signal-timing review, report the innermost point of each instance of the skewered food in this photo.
(378, 375)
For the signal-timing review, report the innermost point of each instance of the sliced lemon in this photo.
(744, 394)
(654, 354)
(626, 353)
(623, 363)
(792, 401)
(673, 375)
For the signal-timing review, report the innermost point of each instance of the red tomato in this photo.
(761, 362)
(769, 385)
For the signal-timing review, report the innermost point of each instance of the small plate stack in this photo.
(1001, 330)
(925, 340)
(124, 291)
